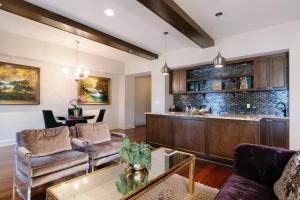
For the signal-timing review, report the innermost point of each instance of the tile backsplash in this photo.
(261, 102)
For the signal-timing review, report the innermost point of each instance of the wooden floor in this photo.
(205, 173)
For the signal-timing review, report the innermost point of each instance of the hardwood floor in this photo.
(206, 173)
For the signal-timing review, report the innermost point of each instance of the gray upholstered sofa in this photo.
(43, 156)
(102, 146)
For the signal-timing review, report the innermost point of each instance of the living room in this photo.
(207, 90)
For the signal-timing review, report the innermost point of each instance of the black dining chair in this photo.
(101, 115)
(49, 119)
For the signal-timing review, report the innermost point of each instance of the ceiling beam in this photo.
(41, 15)
(169, 11)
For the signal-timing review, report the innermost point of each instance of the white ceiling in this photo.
(239, 16)
(136, 24)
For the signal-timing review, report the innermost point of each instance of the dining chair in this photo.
(49, 119)
(101, 115)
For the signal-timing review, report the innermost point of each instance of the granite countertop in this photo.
(226, 116)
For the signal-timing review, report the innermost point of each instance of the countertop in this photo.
(226, 116)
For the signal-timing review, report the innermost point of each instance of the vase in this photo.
(76, 112)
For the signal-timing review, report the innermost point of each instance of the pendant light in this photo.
(219, 60)
(77, 74)
(165, 70)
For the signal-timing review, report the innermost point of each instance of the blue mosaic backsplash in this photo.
(262, 102)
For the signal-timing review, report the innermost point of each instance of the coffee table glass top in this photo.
(115, 182)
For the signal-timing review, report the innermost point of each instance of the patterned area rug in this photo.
(176, 188)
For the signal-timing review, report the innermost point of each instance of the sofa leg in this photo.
(29, 193)
(93, 168)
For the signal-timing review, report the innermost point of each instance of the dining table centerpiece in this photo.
(76, 108)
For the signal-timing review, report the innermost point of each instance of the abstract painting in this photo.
(19, 84)
(94, 90)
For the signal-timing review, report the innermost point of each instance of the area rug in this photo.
(176, 188)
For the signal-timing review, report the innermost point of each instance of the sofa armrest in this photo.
(23, 154)
(118, 135)
(261, 164)
(79, 142)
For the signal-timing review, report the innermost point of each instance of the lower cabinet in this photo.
(214, 139)
(224, 135)
(159, 131)
(189, 135)
(275, 132)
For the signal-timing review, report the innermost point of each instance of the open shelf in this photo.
(218, 77)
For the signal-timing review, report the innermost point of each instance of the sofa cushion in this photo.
(288, 185)
(45, 142)
(52, 163)
(97, 132)
(106, 149)
(240, 188)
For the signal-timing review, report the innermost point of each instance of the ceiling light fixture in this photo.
(78, 75)
(219, 60)
(165, 70)
(109, 12)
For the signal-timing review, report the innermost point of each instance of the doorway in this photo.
(142, 99)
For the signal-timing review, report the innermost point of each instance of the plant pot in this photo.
(76, 113)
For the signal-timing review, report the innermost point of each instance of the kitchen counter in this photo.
(225, 116)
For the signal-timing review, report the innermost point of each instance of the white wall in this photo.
(56, 89)
(142, 99)
(267, 40)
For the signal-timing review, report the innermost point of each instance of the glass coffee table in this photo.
(116, 182)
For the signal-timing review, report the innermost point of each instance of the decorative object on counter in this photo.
(19, 84)
(165, 70)
(137, 156)
(77, 75)
(94, 90)
(76, 108)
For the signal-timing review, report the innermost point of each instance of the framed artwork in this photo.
(94, 90)
(19, 84)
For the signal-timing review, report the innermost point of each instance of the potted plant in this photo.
(76, 108)
(137, 156)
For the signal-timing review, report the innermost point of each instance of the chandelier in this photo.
(77, 74)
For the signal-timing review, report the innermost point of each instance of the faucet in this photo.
(284, 109)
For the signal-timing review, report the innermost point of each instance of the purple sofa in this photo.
(256, 168)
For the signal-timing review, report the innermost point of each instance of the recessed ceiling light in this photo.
(109, 12)
(218, 14)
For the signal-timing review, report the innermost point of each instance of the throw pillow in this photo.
(287, 187)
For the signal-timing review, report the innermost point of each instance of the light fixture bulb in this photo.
(109, 12)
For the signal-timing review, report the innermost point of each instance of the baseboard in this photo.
(7, 142)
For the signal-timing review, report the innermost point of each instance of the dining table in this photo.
(71, 120)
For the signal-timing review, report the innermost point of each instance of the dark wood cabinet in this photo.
(278, 72)
(260, 70)
(178, 81)
(275, 132)
(224, 135)
(189, 135)
(159, 131)
(271, 72)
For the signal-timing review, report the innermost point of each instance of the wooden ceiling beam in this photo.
(41, 15)
(169, 11)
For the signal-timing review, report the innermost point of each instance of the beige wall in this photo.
(142, 99)
(56, 89)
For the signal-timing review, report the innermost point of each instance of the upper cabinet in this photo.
(249, 74)
(271, 72)
(178, 81)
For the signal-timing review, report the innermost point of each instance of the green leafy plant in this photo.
(135, 153)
